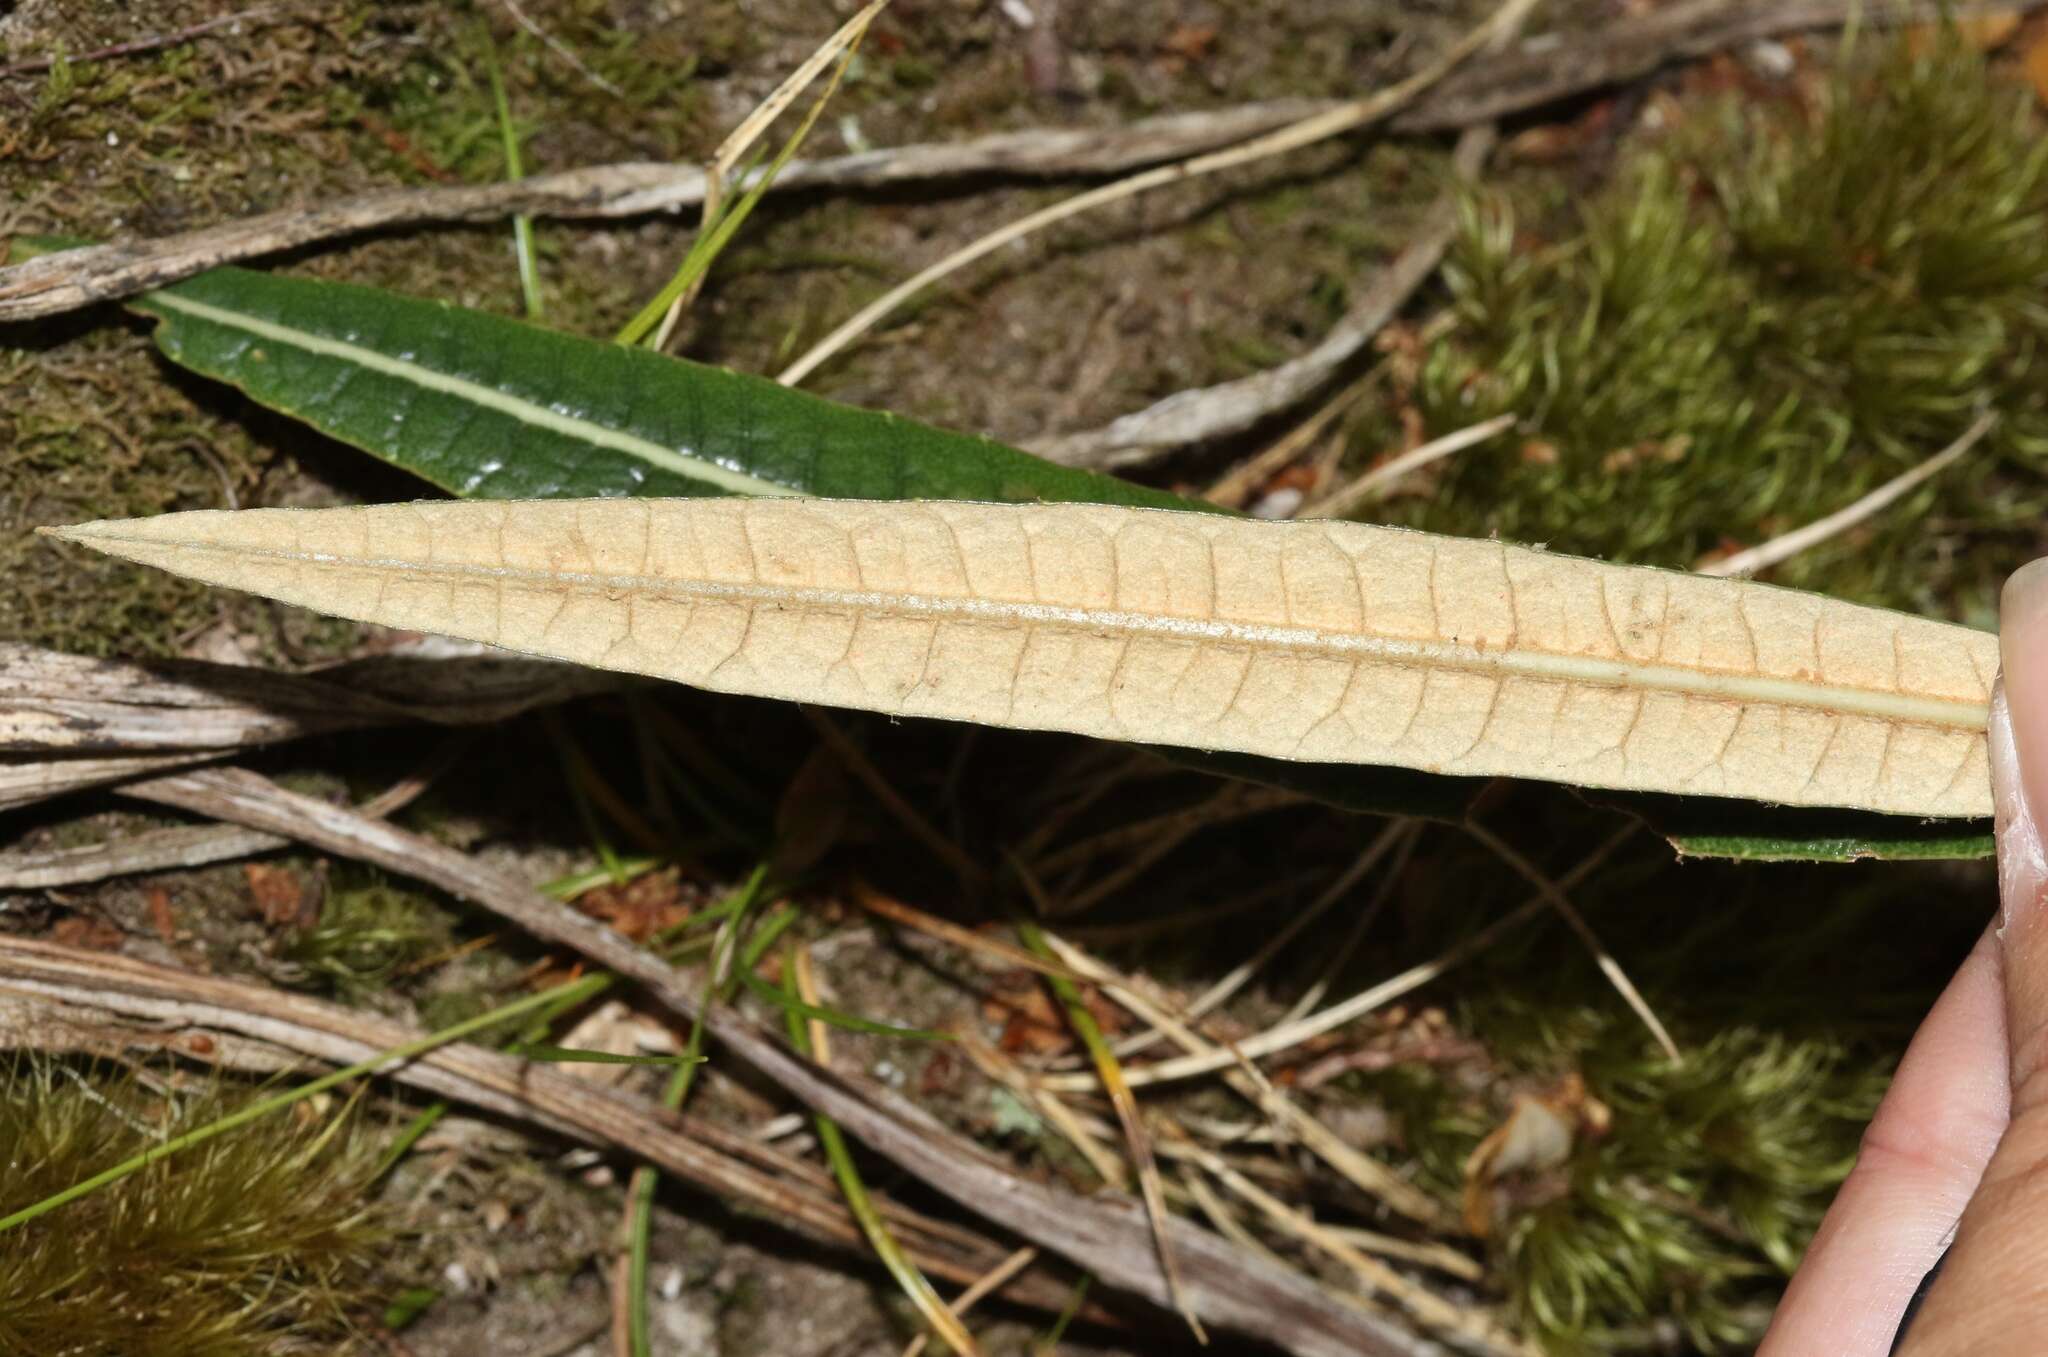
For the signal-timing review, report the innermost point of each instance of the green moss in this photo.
(257, 1238)
(1762, 318)
(366, 934)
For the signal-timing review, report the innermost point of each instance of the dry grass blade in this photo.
(896, 911)
(1232, 981)
(1367, 1174)
(1236, 485)
(1111, 1074)
(1078, 1132)
(1286, 1035)
(717, 223)
(1345, 498)
(984, 1285)
(1318, 127)
(734, 148)
(1783, 548)
(1561, 902)
(1360, 924)
(1474, 1326)
(1324, 641)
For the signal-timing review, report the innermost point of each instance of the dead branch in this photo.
(156, 850)
(1107, 1234)
(69, 722)
(62, 999)
(1541, 70)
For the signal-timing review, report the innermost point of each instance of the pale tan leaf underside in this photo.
(1325, 641)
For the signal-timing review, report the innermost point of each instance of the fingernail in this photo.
(2019, 742)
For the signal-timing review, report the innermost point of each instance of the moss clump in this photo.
(366, 934)
(254, 1238)
(1768, 314)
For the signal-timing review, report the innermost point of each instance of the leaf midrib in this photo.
(488, 397)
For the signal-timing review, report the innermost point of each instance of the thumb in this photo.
(1993, 1293)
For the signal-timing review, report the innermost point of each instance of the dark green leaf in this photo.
(490, 407)
(1712, 827)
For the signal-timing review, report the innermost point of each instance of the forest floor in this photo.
(1722, 300)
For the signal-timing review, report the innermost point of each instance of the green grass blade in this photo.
(797, 1008)
(264, 1107)
(522, 226)
(906, 1273)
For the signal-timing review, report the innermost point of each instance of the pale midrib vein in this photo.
(516, 407)
(1628, 675)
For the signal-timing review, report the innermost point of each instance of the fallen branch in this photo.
(69, 722)
(63, 1000)
(1107, 1234)
(1531, 76)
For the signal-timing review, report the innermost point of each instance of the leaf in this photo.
(1318, 641)
(1704, 827)
(488, 407)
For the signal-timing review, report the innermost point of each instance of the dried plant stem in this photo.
(1319, 127)
(1286, 1035)
(1569, 912)
(260, 1108)
(1784, 547)
(1212, 412)
(1229, 1288)
(1110, 1072)
(1348, 497)
(1368, 1175)
(1488, 89)
(61, 998)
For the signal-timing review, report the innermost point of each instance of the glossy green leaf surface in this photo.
(489, 407)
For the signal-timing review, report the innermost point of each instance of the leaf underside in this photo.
(1319, 641)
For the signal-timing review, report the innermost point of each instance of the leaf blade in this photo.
(1323, 642)
(489, 407)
